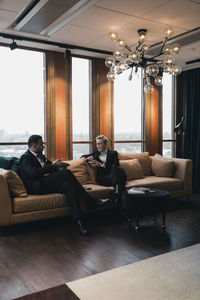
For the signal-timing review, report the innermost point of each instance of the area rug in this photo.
(171, 276)
(61, 292)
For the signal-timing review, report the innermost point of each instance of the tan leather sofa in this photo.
(17, 206)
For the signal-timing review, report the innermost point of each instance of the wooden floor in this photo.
(44, 254)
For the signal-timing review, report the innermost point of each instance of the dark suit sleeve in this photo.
(29, 169)
(87, 155)
(112, 159)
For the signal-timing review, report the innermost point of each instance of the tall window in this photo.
(128, 113)
(81, 107)
(168, 115)
(22, 99)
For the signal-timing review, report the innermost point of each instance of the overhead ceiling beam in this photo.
(61, 45)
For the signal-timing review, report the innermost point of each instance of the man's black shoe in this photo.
(83, 230)
(95, 203)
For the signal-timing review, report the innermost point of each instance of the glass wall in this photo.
(128, 112)
(81, 106)
(22, 99)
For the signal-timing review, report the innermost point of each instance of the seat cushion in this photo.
(143, 158)
(38, 202)
(132, 168)
(162, 183)
(99, 191)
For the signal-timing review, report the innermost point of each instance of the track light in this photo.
(13, 45)
(67, 53)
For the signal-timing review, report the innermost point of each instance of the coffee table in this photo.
(135, 203)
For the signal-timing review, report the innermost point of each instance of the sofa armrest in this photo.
(5, 202)
(184, 172)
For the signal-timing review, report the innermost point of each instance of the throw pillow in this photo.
(79, 169)
(143, 158)
(15, 185)
(9, 163)
(132, 168)
(91, 173)
(161, 166)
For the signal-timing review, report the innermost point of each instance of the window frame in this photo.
(89, 142)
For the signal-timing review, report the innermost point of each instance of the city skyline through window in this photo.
(22, 98)
(128, 112)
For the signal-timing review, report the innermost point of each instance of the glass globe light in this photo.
(121, 43)
(152, 70)
(111, 75)
(128, 61)
(123, 65)
(168, 69)
(169, 60)
(113, 35)
(119, 70)
(110, 61)
(158, 81)
(145, 48)
(176, 48)
(176, 70)
(167, 49)
(117, 54)
(169, 32)
(142, 36)
(148, 88)
(134, 56)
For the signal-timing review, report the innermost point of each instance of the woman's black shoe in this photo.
(83, 230)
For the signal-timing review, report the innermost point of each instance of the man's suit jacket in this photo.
(111, 159)
(31, 172)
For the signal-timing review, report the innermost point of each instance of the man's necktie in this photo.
(41, 160)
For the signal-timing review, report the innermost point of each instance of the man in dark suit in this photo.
(106, 164)
(41, 176)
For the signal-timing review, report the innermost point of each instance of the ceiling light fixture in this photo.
(124, 57)
(13, 45)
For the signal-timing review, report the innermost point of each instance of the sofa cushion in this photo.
(79, 169)
(143, 158)
(91, 173)
(9, 163)
(163, 183)
(132, 168)
(38, 202)
(16, 186)
(162, 167)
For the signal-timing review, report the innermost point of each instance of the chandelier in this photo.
(124, 57)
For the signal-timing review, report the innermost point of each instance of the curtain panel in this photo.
(188, 105)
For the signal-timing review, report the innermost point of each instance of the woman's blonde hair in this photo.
(103, 138)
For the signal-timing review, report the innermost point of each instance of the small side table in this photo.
(136, 203)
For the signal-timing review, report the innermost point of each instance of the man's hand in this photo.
(59, 163)
(94, 163)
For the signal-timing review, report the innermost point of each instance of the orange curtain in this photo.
(153, 120)
(58, 105)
